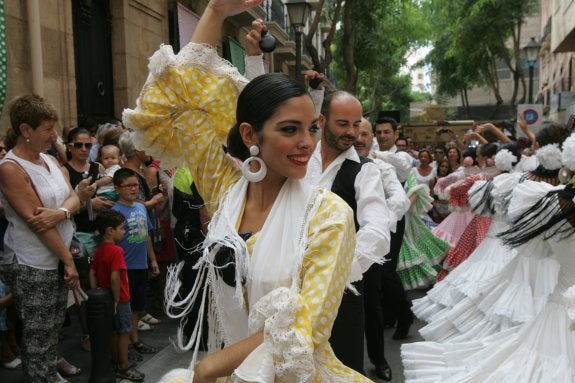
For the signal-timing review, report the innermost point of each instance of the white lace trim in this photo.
(292, 355)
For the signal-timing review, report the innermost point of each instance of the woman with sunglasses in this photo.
(76, 169)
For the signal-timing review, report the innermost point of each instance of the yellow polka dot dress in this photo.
(183, 115)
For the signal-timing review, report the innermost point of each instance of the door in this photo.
(92, 23)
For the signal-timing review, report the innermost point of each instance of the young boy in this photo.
(108, 270)
(138, 249)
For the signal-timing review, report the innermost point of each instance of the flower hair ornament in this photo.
(549, 156)
(468, 162)
(504, 160)
(261, 173)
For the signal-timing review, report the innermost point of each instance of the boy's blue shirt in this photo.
(135, 241)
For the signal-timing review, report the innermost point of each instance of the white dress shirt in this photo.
(401, 161)
(372, 213)
(395, 196)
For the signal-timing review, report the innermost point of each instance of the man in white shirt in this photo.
(395, 299)
(336, 166)
(386, 133)
(375, 280)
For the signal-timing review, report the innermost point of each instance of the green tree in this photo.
(471, 37)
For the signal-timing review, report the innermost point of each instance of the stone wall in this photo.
(57, 56)
(138, 29)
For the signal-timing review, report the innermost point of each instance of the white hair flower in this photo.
(504, 160)
(568, 155)
(549, 156)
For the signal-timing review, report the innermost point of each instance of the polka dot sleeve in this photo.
(183, 115)
(326, 267)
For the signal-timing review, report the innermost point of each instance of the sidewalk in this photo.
(70, 348)
(156, 365)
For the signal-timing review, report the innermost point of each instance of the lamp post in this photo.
(298, 11)
(531, 51)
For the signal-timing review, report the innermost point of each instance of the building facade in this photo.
(89, 57)
(557, 56)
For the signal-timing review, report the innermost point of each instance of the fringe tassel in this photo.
(483, 205)
(546, 217)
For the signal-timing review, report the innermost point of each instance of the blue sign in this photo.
(531, 116)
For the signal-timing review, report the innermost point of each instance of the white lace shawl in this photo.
(272, 283)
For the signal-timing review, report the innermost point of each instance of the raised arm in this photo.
(209, 29)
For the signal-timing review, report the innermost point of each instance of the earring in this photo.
(565, 175)
(27, 139)
(247, 173)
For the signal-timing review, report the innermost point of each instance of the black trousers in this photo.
(384, 298)
(348, 329)
(372, 293)
(395, 302)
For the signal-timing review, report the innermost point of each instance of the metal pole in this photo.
(531, 83)
(298, 54)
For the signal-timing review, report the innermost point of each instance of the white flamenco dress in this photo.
(493, 290)
(542, 350)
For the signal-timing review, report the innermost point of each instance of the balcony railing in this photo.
(275, 11)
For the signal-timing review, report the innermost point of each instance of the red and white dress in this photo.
(473, 234)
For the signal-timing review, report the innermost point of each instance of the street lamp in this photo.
(531, 51)
(298, 11)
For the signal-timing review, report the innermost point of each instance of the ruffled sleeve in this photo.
(184, 113)
(503, 186)
(423, 200)
(458, 192)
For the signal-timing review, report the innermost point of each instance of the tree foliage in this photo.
(371, 52)
(470, 38)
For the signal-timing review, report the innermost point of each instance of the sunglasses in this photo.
(78, 145)
(3, 149)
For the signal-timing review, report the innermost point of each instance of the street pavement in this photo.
(155, 365)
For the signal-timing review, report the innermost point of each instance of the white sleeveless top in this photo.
(21, 245)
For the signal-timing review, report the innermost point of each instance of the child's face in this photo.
(129, 189)
(117, 233)
(110, 156)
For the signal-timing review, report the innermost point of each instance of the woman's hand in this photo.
(253, 38)
(86, 189)
(99, 204)
(227, 8)
(71, 277)
(157, 198)
(45, 219)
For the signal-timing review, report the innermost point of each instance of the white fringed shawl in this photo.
(272, 271)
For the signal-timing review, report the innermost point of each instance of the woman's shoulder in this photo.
(332, 208)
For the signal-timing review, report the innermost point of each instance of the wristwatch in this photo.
(66, 212)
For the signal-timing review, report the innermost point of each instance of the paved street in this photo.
(154, 366)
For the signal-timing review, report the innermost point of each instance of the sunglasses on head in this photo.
(78, 145)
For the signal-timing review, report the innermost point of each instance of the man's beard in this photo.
(334, 142)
